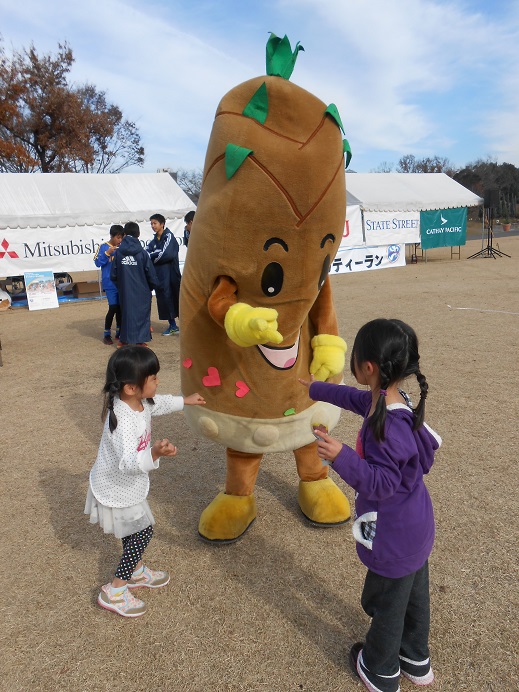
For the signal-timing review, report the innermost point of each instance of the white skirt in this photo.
(121, 521)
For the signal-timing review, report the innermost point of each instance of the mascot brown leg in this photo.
(231, 513)
(320, 500)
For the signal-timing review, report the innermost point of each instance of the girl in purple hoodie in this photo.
(394, 521)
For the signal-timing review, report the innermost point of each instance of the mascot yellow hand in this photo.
(328, 356)
(248, 326)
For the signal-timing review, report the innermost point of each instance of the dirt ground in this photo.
(279, 610)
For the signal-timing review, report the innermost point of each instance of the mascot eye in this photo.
(272, 279)
(324, 271)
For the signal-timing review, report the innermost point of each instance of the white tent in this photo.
(57, 220)
(390, 203)
(383, 214)
(390, 192)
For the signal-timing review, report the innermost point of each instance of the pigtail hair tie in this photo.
(383, 392)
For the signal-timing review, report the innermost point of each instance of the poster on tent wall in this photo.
(359, 259)
(391, 228)
(352, 235)
(69, 249)
(443, 228)
(41, 290)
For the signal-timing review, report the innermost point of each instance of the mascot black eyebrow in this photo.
(256, 302)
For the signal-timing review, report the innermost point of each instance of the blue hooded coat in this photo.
(135, 278)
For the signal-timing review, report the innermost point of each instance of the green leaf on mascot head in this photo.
(258, 106)
(280, 57)
(333, 112)
(347, 150)
(234, 157)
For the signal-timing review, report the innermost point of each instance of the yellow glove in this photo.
(329, 356)
(248, 326)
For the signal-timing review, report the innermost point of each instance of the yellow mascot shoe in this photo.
(323, 503)
(227, 517)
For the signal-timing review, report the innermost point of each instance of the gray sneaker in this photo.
(124, 604)
(152, 579)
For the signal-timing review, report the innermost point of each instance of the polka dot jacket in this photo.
(119, 477)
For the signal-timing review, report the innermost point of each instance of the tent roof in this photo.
(29, 200)
(408, 192)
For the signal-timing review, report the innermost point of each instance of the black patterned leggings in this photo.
(113, 310)
(133, 548)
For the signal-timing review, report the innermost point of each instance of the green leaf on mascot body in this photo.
(234, 158)
(258, 106)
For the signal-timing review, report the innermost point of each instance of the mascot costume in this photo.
(256, 304)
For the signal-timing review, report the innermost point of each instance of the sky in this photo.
(421, 77)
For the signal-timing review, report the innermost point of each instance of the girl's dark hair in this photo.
(128, 365)
(393, 346)
(413, 368)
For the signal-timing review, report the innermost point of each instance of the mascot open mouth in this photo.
(280, 358)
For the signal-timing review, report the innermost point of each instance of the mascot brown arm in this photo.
(322, 313)
(222, 297)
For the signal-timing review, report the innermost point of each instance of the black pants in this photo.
(400, 614)
(113, 310)
(133, 548)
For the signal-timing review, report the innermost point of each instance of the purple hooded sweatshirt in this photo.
(394, 520)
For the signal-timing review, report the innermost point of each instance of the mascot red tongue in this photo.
(256, 305)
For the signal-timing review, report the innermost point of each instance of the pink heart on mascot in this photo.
(212, 379)
(242, 389)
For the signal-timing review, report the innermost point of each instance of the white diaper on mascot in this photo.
(256, 305)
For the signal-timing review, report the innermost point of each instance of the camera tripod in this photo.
(489, 250)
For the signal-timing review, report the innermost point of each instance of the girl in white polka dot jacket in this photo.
(119, 481)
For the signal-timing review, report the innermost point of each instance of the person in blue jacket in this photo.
(103, 259)
(133, 273)
(163, 250)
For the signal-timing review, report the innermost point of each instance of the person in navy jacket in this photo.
(133, 273)
(163, 250)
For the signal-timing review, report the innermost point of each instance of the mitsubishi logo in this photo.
(4, 245)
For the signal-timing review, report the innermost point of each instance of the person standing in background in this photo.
(188, 220)
(133, 273)
(163, 250)
(103, 259)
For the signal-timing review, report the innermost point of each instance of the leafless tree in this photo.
(50, 125)
(191, 182)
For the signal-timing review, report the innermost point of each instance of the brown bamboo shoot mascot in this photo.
(256, 304)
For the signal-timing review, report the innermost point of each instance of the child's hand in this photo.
(328, 447)
(194, 400)
(163, 448)
(307, 383)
